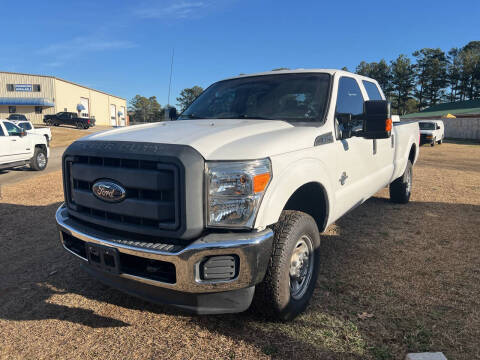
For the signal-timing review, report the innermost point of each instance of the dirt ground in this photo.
(65, 135)
(394, 279)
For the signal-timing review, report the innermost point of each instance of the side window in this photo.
(372, 90)
(1, 131)
(349, 99)
(12, 129)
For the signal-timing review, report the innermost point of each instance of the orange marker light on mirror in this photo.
(388, 125)
(260, 182)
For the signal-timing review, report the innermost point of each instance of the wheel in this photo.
(433, 142)
(86, 126)
(39, 160)
(293, 267)
(401, 188)
(48, 122)
(56, 124)
(440, 141)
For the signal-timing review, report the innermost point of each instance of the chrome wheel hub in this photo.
(41, 160)
(301, 267)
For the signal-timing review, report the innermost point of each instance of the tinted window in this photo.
(1, 132)
(372, 90)
(12, 129)
(349, 99)
(426, 126)
(291, 97)
(25, 126)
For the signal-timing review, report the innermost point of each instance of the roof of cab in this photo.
(300, 71)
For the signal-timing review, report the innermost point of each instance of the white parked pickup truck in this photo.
(431, 132)
(30, 129)
(229, 200)
(17, 148)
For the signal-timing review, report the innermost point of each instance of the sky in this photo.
(125, 47)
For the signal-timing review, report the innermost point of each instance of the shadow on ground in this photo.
(391, 261)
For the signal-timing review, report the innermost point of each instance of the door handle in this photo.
(14, 139)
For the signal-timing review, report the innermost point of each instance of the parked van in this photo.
(431, 132)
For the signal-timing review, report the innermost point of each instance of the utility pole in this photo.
(170, 82)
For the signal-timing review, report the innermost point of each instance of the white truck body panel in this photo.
(438, 133)
(16, 148)
(368, 164)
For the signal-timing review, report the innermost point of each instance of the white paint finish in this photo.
(295, 159)
(439, 132)
(426, 356)
(16, 148)
(44, 131)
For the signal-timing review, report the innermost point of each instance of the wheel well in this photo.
(41, 146)
(312, 199)
(413, 152)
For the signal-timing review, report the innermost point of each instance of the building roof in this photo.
(455, 108)
(57, 78)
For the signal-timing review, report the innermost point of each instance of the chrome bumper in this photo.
(253, 250)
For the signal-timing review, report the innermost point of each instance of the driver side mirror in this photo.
(377, 119)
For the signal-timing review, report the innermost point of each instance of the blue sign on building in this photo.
(23, 87)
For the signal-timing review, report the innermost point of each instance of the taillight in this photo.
(88, 121)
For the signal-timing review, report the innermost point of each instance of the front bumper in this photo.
(188, 291)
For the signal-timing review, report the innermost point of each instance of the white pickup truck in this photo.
(230, 200)
(30, 129)
(17, 148)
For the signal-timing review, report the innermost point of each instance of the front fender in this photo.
(288, 176)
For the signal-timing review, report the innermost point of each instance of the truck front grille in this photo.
(159, 181)
(152, 188)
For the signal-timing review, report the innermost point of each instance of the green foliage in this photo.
(144, 109)
(433, 78)
(187, 96)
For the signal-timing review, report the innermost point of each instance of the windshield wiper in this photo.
(190, 116)
(245, 116)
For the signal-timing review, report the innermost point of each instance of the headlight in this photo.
(235, 190)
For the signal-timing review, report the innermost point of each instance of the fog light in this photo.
(224, 267)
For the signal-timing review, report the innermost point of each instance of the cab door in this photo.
(354, 155)
(383, 150)
(19, 145)
(5, 152)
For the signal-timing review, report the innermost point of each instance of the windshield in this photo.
(291, 97)
(25, 125)
(426, 126)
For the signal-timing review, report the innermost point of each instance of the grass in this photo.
(413, 267)
(65, 135)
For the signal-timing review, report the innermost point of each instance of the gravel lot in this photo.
(411, 285)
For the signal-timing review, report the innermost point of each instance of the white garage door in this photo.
(85, 112)
(122, 115)
(113, 115)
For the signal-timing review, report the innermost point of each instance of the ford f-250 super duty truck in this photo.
(230, 199)
(17, 148)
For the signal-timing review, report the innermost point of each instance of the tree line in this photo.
(143, 109)
(432, 77)
(429, 77)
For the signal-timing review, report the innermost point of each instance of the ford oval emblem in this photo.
(108, 191)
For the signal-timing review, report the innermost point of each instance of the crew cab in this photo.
(431, 132)
(17, 148)
(69, 118)
(226, 204)
(30, 129)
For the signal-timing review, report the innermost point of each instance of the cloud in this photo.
(60, 53)
(174, 9)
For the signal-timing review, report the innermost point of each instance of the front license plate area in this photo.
(103, 258)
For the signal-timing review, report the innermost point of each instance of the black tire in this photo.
(275, 296)
(78, 125)
(401, 188)
(56, 124)
(433, 142)
(440, 142)
(39, 160)
(86, 126)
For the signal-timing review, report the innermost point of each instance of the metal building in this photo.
(38, 95)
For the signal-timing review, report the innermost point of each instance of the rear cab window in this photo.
(372, 90)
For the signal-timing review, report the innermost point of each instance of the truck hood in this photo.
(220, 139)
